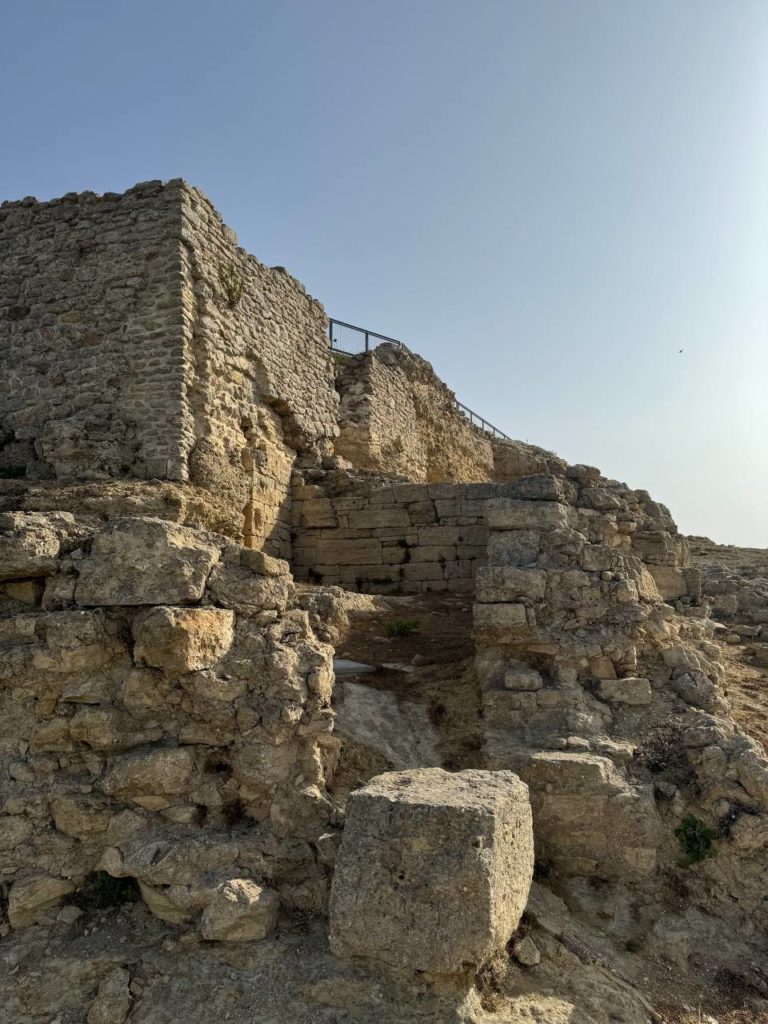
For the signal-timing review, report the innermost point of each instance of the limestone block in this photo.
(543, 487)
(520, 676)
(506, 583)
(434, 869)
(515, 514)
(670, 582)
(514, 547)
(113, 1000)
(31, 897)
(502, 622)
(245, 591)
(362, 551)
(110, 729)
(240, 911)
(14, 829)
(630, 690)
(29, 545)
(379, 518)
(263, 564)
(145, 561)
(181, 640)
(588, 820)
(80, 816)
(165, 772)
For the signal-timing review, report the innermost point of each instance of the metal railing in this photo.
(338, 331)
(341, 335)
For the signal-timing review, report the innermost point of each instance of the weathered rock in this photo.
(145, 561)
(588, 820)
(526, 952)
(629, 690)
(113, 1000)
(181, 640)
(519, 676)
(14, 829)
(163, 773)
(110, 729)
(434, 869)
(240, 911)
(30, 543)
(80, 816)
(31, 897)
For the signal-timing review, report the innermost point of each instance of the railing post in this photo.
(366, 341)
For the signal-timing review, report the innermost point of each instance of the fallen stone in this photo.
(240, 911)
(526, 952)
(434, 869)
(31, 897)
(520, 676)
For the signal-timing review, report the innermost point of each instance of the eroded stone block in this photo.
(434, 869)
(183, 639)
(145, 561)
(241, 910)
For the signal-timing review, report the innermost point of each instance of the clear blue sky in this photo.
(546, 198)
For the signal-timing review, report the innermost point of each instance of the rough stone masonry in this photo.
(172, 846)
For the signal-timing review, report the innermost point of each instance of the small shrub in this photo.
(231, 281)
(696, 840)
(403, 627)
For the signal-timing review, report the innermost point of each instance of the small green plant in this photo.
(696, 840)
(403, 627)
(231, 281)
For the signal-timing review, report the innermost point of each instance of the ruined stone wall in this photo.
(167, 719)
(90, 336)
(396, 416)
(259, 386)
(141, 342)
(378, 535)
(390, 537)
(611, 704)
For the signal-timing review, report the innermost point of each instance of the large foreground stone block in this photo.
(434, 869)
(146, 561)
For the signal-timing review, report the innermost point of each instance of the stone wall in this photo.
(167, 719)
(142, 342)
(259, 385)
(610, 704)
(365, 532)
(390, 537)
(90, 336)
(396, 416)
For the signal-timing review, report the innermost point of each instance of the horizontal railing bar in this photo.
(484, 425)
(362, 330)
